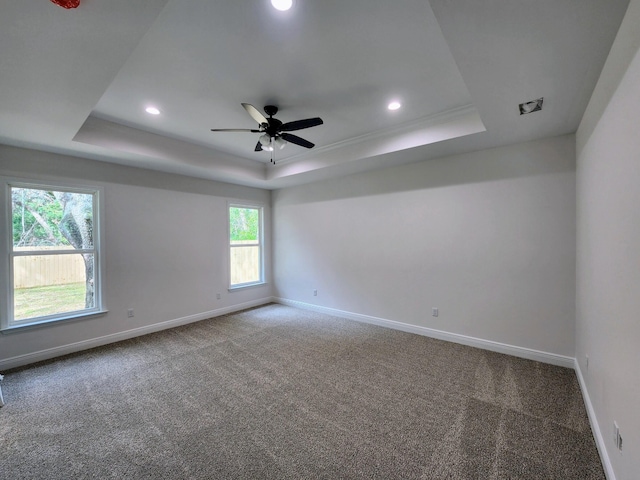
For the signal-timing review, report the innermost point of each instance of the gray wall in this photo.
(608, 250)
(166, 251)
(487, 237)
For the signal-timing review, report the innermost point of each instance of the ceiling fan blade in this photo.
(297, 140)
(300, 124)
(255, 114)
(258, 147)
(235, 130)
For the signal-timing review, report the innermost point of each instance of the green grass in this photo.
(41, 301)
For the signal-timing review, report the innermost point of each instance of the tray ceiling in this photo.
(78, 81)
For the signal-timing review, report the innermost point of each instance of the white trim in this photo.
(522, 352)
(49, 353)
(243, 286)
(51, 319)
(41, 253)
(411, 126)
(5, 276)
(7, 320)
(595, 428)
(260, 243)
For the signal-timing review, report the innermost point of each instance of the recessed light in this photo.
(152, 111)
(282, 5)
(394, 105)
(532, 106)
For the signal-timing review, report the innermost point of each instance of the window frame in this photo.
(259, 244)
(7, 254)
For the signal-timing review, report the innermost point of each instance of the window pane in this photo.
(52, 284)
(44, 218)
(245, 265)
(244, 224)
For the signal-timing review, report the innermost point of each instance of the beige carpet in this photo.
(281, 393)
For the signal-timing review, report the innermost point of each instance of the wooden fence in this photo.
(245, 265)
(40, 270)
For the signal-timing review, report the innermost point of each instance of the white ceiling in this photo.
(77, 81)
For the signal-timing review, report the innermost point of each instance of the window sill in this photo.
(52, 321)
(243, 286)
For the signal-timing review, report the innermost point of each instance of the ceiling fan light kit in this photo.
(280, 143)
(265, 140)
(274, 132)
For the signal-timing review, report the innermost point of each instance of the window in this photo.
(53, 257)
(245, 246)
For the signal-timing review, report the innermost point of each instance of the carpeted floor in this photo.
(281, 393)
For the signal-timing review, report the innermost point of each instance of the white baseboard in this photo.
(544, 357)
(26, 359)
(530, 354)
(521, 352)
(595, 428)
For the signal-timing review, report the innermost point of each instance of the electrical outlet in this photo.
(130, 313)
(586, 362)
(315, 293)
(434, 312)
(217, 296)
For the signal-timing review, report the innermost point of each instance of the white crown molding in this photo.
(402, 129)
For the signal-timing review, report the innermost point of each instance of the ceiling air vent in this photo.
(532, 106)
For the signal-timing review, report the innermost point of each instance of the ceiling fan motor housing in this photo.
(274, 126)
(270, 110)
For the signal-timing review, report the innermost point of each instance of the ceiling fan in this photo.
(274, 132)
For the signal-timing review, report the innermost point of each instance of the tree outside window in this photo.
(53, 253)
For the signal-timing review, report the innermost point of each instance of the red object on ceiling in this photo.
(67, 3)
